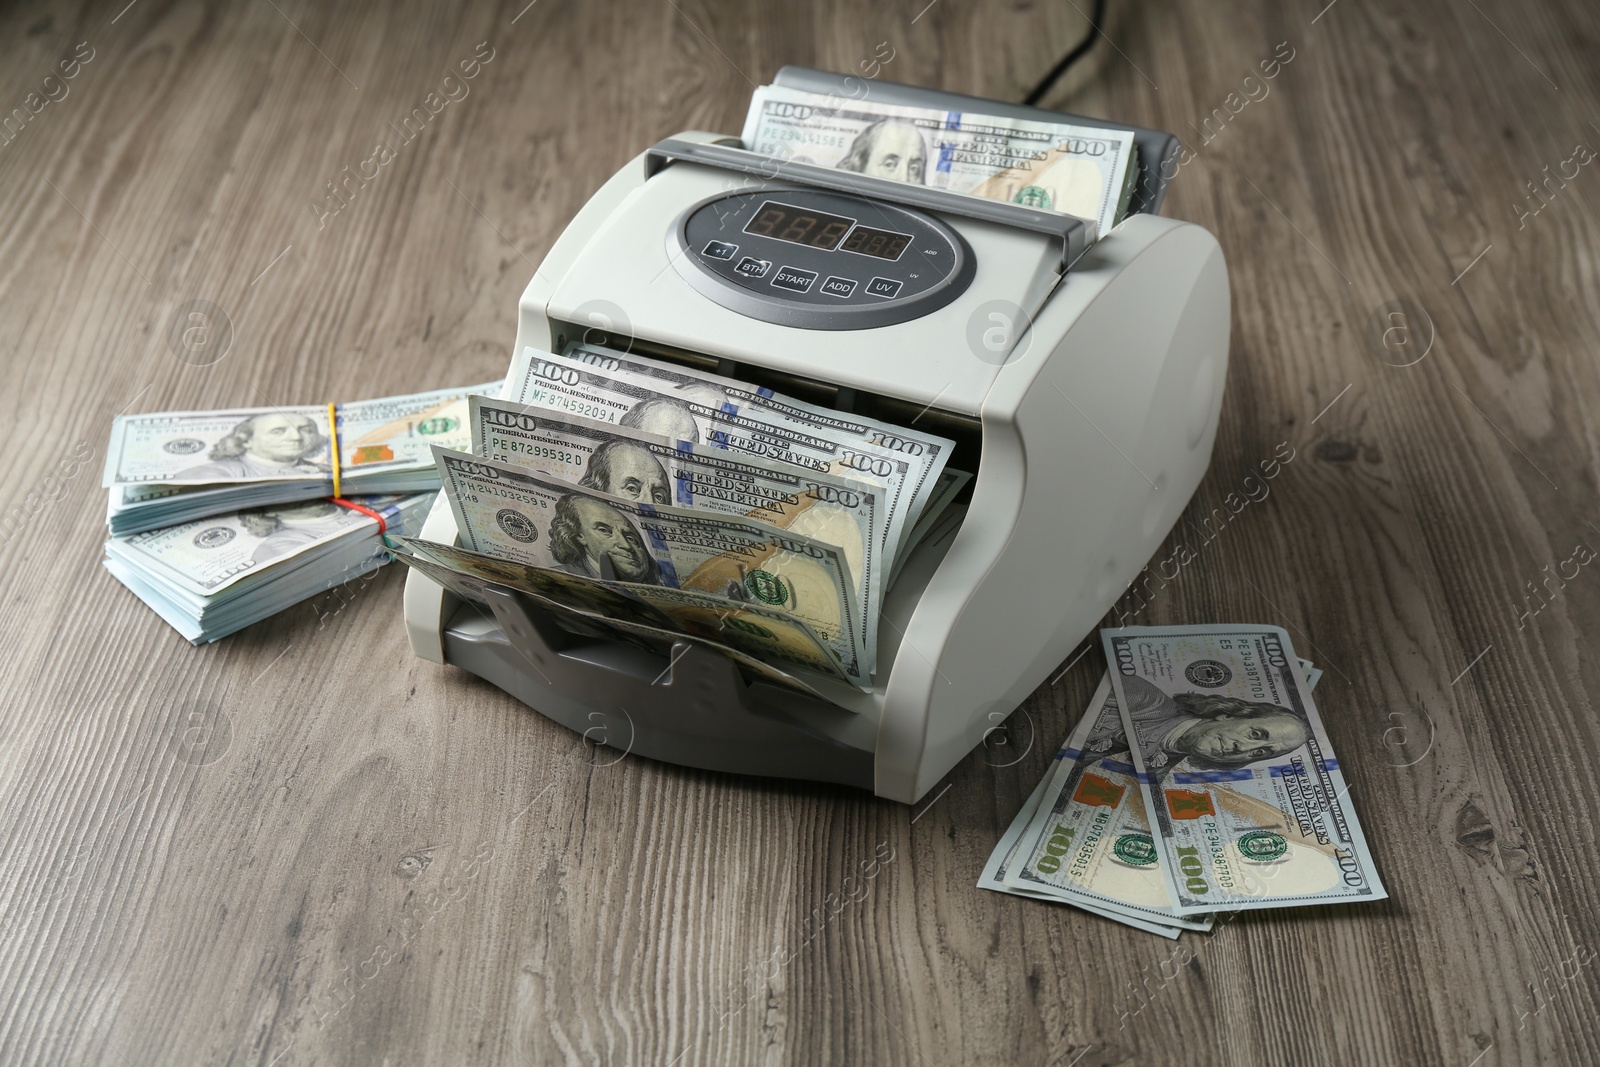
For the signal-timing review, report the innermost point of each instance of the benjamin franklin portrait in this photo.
(1205, 731)
(592, 538)
(269, 445)
(889, 148)
(630, 471)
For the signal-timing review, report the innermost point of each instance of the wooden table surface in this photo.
(301, 845)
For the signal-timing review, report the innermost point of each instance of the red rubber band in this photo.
(353, 506)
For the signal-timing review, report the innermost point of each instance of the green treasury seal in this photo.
(766, 587)
(1263, 846)
(1034, 196)
(1136, 850)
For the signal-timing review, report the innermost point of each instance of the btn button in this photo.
(839, 287)
(797, 281)
(884, 287)
(753, 268)
(719, 250)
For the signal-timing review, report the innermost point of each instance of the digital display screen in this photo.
(882, 244)
(798, 226)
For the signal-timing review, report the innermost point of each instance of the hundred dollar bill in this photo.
(1085, 171)
(377, 439)
(569, 610)
(1089, 842)
(751, 628)
(1246, 801)
(657, 470)
(1004, 857)
(683, 404)
(517, 514)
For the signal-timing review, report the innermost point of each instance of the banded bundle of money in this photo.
(1200, 781)
(166, 468)
(1085, 171)
(211, 577)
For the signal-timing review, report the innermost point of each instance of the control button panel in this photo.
(816, 259)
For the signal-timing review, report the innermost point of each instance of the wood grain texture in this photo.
(303, 846)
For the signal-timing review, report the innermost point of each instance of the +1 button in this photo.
(839, 287)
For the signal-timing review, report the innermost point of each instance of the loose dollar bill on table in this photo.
(685, 404)
(1084, 839)
(1085, 171)
(750, 628)
(652, 469)
(166, 468)
(518, 514)
(1246, 802)
(573, 613)
(1004, 857)
(1091, 845)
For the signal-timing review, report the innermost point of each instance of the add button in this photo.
(839, 287)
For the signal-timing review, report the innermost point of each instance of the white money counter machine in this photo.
(1081, 379)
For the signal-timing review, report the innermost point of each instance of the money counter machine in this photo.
(1081, 379)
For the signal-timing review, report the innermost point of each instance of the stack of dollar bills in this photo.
(1200, 781)
(1086, 171)
(221, 518)
(705, 498)
(169, 467)
(213, 576)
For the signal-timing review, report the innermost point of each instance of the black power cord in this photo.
(1082, 48)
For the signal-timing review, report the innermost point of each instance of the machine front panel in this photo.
(626, 279)
(819, 260)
